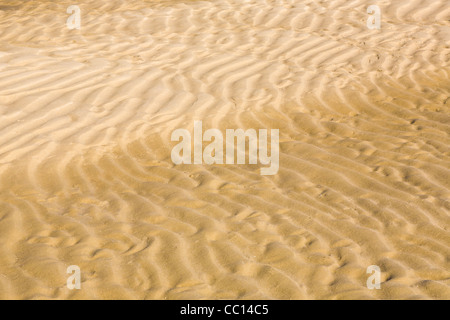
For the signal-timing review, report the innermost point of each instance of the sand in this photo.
(86, 176)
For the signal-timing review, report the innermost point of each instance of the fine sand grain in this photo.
(86, 176)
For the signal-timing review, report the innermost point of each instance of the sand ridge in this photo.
(86, 176)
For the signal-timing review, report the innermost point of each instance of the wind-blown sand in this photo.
(86, 176)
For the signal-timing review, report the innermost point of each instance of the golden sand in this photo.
(86, 176)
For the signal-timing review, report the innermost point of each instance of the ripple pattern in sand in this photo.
(86, 175)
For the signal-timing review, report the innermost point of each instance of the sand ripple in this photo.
(87, 179)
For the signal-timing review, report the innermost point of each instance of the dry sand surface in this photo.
(86, 176)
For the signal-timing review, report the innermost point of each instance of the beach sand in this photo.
(86, 176)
